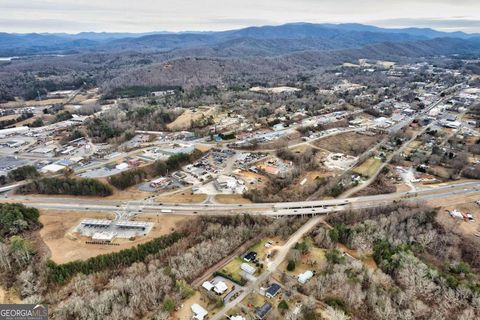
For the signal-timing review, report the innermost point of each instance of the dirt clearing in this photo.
(66, 246)
(185, 120)
(231, 199)
(460, 226)
(9, 296)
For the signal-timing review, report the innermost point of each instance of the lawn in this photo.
(262, 250)
(232, 269)
(368, 167)
(412, 147)
(253, 300)
(313, 260)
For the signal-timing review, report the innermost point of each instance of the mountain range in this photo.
(251, 41)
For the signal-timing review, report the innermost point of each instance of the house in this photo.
(408, 112)
(278, 127)
(237, 318)
(261, 313)
(251, 256)
(450, 124)
(121, 166)
(220, 288)
(208, 285)
(272, 290)
(199, 313)
(304, 277)
(248, 268)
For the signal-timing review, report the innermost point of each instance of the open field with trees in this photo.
(424, 271)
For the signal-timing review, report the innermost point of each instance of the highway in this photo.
(271, 209)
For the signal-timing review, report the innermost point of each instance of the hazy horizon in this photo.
(228, 29)
(143, 16)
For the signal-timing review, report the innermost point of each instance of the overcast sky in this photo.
(74, 16)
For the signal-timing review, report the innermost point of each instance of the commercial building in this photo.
(10, 131)
(52, 168)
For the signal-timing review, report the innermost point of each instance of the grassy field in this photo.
(412, 147)
(350, 143)
(184, 121)
(368, 167)
(313, 260)
(185, 196)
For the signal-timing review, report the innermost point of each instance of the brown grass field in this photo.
(231, 199)
(181, 196)
(350, 143)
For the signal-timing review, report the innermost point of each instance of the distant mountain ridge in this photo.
(264, 40)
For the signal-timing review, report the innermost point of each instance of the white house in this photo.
(199, 313)
(207, 285)
(121, 166)
(304, 277)
(220, 287)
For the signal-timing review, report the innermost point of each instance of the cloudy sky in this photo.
(74, 16)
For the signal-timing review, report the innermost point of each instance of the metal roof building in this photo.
(261, 313)
(248, 268)
(272, 290)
